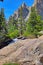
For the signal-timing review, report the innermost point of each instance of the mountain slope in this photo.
(39, 6)
(25, 12)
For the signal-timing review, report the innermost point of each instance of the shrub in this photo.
(14, 34)
(28, 35)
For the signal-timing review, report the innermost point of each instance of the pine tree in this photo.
(3, 30)
(2, 21)
(21, 22)
(34, 24)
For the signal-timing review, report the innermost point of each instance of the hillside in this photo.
(25, 52)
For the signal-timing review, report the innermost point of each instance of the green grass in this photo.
(10, 64)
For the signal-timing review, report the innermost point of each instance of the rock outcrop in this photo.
(39, 6)
(25, 52)
(27, 10)
(23, 11)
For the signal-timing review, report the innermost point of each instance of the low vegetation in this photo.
(10, 64)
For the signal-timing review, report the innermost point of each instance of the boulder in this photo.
(25, 52)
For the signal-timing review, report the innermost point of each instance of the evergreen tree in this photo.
(12, 24)
(3, 30)
(2, 21)
(12, 27)
(34, 24)
(21, 22)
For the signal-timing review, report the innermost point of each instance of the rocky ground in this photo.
(25, 52)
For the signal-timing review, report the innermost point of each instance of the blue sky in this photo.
(12, 5)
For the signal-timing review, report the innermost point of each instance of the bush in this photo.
(25, 34)
(14, 34)
(28, 35)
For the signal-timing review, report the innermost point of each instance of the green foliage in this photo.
(21, 26)
(28, 35)
(14, 34)
(10, 64)
(18, 27)
(12, 28)
(21, 22)
(3, 30)
(34, 24)
(12, 22)
(2, 19)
